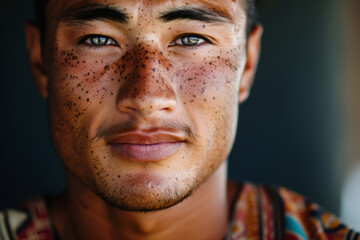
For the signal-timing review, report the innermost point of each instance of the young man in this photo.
(142, 100)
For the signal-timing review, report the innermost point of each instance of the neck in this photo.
(203, 215)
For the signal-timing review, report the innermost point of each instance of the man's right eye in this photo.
(98, 41)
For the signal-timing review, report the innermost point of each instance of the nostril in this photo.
(127, 109)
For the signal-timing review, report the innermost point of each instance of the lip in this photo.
(144, 146)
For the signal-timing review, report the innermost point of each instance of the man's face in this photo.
(143, 95)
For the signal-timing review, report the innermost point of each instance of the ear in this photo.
(33, 45)
(253, 54)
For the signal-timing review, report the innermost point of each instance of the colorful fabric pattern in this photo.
(276, 213)
(30, 221)
(259, 212)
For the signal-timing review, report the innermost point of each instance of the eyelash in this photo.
(89, 41)
(182, 37)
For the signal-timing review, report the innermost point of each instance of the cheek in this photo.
(78, 88)
(210, 83)
(209, 92)
(79, 81)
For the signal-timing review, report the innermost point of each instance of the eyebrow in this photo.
(198, 14)
(96, 11)
(93, 12)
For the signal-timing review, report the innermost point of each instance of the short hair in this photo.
(251, 9)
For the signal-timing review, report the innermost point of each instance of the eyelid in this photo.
(206, 39)
(83, 40)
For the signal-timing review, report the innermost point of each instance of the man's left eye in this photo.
(99, 40)
(189, 40)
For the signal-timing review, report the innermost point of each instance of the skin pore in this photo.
(119, 75)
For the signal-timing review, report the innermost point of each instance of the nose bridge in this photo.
(150, 68)
(148, 89)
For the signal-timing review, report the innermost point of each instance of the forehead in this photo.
(232, 9)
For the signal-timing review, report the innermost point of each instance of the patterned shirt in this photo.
(258, 212)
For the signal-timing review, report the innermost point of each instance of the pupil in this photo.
(102, 40)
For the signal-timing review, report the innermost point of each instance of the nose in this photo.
(146, 88)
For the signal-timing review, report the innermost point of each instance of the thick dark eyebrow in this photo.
(198, 14)
(92, 12)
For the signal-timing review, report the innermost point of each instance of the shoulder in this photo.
(279, 213)
(26, 221)
(308, 218)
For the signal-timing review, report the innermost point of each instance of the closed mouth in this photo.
(145, 146)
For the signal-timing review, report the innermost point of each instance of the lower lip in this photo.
(146, 152)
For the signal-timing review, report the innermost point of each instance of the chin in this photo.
(144, 192)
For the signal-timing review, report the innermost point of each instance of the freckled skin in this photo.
(197, 87)
(145, 82)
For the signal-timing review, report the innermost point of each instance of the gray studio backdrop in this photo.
(287, 131)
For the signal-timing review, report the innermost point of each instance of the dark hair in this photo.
(251, 7)
(40, 13)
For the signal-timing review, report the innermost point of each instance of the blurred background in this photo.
(350, 197)
(298, 129)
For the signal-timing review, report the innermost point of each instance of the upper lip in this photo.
(147, 137)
